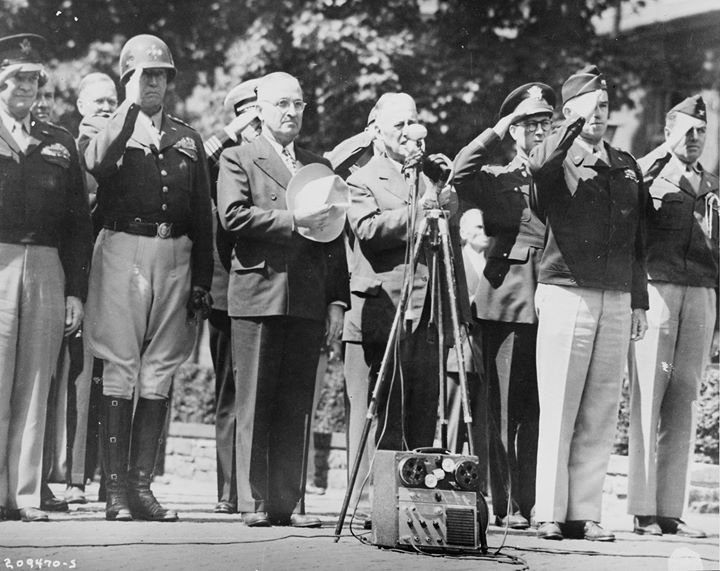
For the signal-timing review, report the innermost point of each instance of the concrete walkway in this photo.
(82, 539)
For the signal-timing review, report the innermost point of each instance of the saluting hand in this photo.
(683, 123)
(132, 88)
(240, 123)
(7, 73)
(583, 105)
(73, 314)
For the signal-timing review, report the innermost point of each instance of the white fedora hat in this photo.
(316, 185)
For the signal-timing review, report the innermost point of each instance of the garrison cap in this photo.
(693, 106)
(242, 96)
(587, 80)
(25, 49)
(530, 99)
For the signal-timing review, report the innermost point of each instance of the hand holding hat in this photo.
(318, 200)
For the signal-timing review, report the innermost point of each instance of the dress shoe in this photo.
(512, 521)
(301, 520)
(646, 525)
(53, 504)
(32, 514)
(315, 490)
(75, 495)
(676, 526)
(549, 530)
(590, 530)
(256, 519)
(224, 507)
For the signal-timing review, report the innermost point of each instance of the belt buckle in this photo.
(164, 229)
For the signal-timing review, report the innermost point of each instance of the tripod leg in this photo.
(382, 374)
(442, 373)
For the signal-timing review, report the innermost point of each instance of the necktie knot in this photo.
(289, 160)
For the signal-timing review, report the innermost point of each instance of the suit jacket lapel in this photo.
(391, 179)
(268, 161)
(170, 133)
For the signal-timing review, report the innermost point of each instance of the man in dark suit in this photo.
(504, 300)
(285, 293)
(381, 218)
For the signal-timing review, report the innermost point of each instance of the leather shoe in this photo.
(676, 526)
(593, 531)
(301, 520)
(224, 507)
(75, 495)
(32, 514)
(256, 519)
(512, 521)
(549, 530)
(53, 504)
(646, 525)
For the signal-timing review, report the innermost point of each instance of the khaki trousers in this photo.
(32, 315)
(136, 319)
(670, 362)
(583, 337)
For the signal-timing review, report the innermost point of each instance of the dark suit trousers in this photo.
(221, 353)
(509, 352)
(408, 401)
(276, 362)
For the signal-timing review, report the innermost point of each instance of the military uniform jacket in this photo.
(682, 224)
(595, 213)
(42, 199)
(506, 291)
(137, 181)
(274, 270)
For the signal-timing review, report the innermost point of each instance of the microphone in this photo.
(415, 133)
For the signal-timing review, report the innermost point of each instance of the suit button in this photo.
(164, 207)
(273, 196)
(165, 189)
(163, 172)
(161, 156)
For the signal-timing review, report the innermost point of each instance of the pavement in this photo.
(82, 539)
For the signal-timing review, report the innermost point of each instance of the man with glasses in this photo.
(504, 299)
(286, 296)
(591, 301)
(683, 272)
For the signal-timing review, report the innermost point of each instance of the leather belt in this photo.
(151, 229)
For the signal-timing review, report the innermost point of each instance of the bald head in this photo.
(394, 112)
(97, 95)
(280, 99)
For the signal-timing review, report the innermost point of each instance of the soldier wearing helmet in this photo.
(152, 259)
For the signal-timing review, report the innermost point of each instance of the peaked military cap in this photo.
(25, 49)
(529, 99)
(693, 106)
(587, 80)
(242, 96)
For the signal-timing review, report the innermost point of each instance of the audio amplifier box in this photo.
(428, 500)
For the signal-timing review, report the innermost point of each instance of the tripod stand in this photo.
(433, 237)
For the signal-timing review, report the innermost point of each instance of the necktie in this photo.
(20, 135)
(289, 160)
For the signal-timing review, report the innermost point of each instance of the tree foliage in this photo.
(458, 58)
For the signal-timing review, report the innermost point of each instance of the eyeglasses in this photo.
(285, 104)
(532, 126)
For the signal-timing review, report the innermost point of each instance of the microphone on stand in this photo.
(417, 134)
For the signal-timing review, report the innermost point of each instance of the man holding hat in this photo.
(504, 299)
(151, 272)
(287, 293)
(241, 101)
(45, 238)
(591, 300)
(682, 270)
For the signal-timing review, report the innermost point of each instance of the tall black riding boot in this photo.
(147, 431)
(115, 419)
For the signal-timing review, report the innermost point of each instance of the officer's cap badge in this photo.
(535, 92)
(25, 46)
